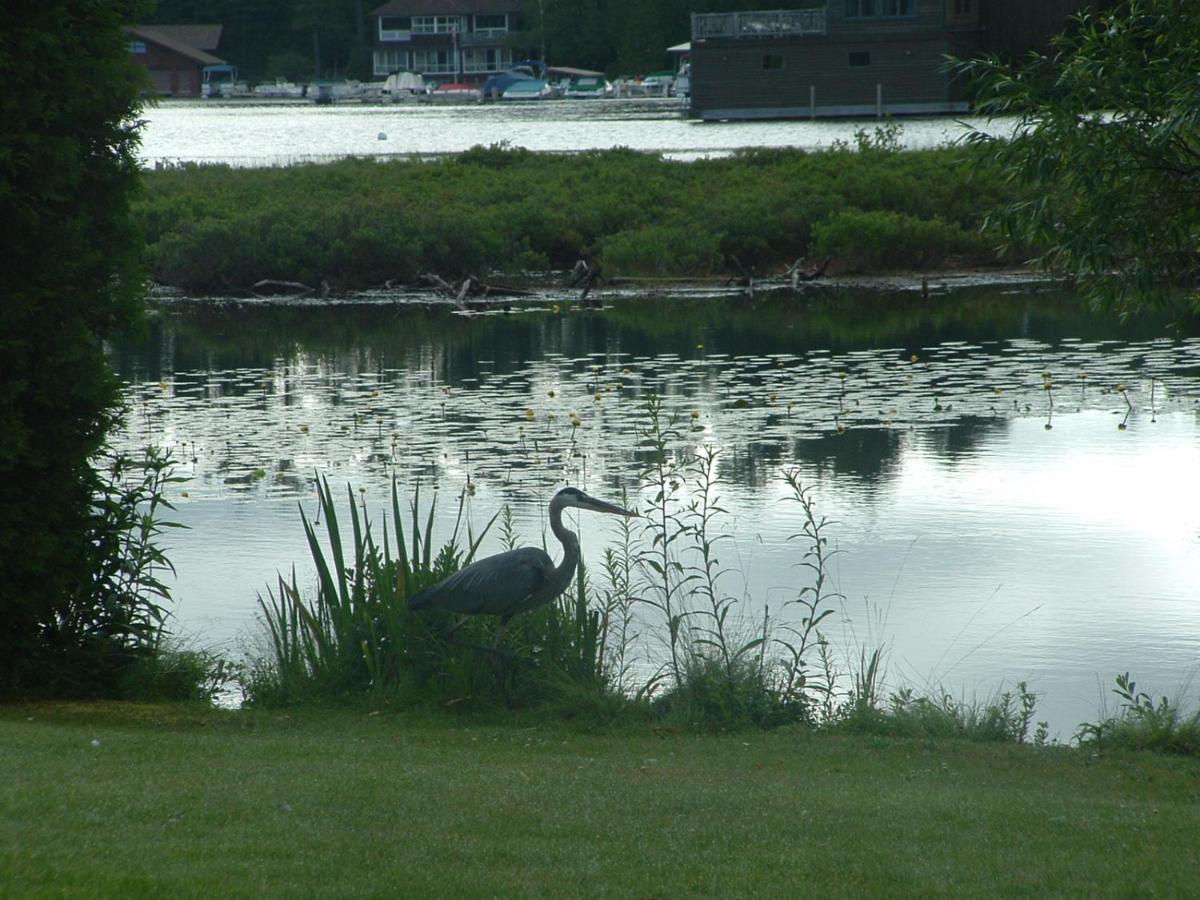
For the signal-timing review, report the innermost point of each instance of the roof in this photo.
(155, 35)
(445, 7)
(202, 37)
(574, 73)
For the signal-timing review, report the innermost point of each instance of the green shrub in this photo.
(715, 695)
(1005, 718)
(111, 621)
(1143, 723)
(674, 249)
(881, 240)
(171, 674)
(504, 209)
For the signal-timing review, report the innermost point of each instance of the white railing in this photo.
(762, 24)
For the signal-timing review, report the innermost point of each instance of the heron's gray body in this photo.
(500, 585)
(518, 580)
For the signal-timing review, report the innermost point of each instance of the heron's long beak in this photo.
(591, 503)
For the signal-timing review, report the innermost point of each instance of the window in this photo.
(870, 9)
(137, 47)
(860, 58)
(487, 59)
(433, 62)
(491, 23)
(436, 24)
(772, 61)
(394, 28)
(389, 61)
(962, 7)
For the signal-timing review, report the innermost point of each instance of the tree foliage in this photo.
(1108, 141)
(71, 278)
(322, 38)
(621, 37)
(297, 39)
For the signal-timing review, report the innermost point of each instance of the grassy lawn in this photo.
(124, 800)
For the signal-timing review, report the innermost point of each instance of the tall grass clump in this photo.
(356, 634)
(723, 665)
(112, 621)
(1144, 723)
(1003, 718)
(721, 668)
(108, 635)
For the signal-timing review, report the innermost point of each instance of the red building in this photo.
(175, 55)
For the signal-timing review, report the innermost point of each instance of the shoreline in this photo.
(535, 292)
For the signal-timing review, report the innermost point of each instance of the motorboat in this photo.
(222, 81)
(455, 92)
(529, 89)
(587, 88)
(496, 85)
(401, 86)
(280, 88)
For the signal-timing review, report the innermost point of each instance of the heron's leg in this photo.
(499, 660)
(504, 620)
(494, 650)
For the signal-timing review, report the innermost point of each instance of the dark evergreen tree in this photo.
(70, 279)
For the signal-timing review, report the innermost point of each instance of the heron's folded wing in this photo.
(496, 585)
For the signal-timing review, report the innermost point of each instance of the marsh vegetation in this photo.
(356, 224)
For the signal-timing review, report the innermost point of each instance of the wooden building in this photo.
(855, 57)
(175, 55)
(447, 40)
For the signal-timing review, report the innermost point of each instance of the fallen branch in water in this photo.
(796, 274)
(470, 288)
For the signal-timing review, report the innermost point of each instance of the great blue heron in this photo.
(518, 580)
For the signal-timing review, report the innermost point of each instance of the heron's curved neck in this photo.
(565, 570)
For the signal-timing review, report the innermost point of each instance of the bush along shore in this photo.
(358, 224)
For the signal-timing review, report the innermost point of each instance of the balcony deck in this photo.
(759, 24)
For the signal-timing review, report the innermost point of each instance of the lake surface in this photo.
(245, 133)
(989, 529)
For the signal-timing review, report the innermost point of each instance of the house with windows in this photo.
(447, 40)
(175, 55)
(837, 58)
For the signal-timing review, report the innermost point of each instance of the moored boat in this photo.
(280, 88)
(587, 88)
(455, 92)
(529, 89)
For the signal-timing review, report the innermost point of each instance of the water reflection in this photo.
(258, 134)
(982, 544)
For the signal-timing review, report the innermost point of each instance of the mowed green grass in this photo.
(181, 802)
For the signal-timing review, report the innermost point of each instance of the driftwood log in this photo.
(471, 291)
(797, 274)
(585, 276)
(269, 287)
(744, 276)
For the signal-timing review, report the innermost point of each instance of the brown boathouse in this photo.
(855, 57)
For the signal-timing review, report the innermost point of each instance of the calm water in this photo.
(252, 134)
(981, 546)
